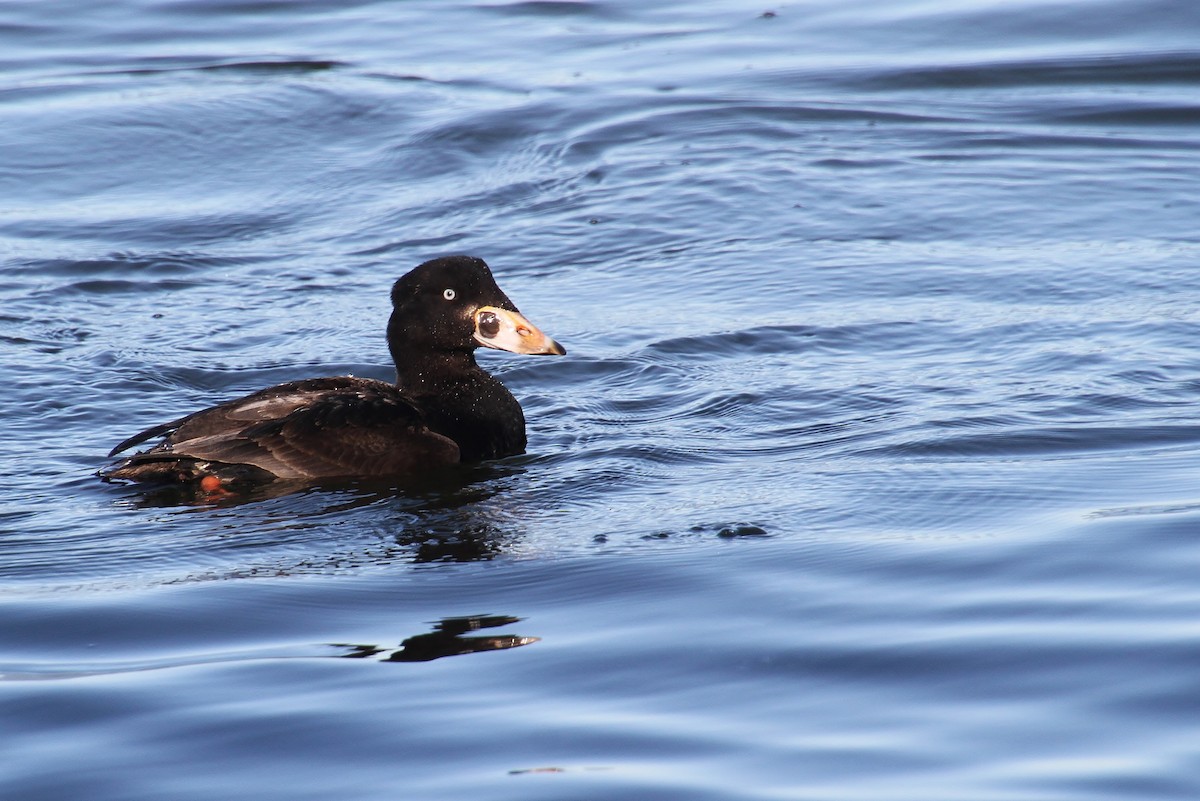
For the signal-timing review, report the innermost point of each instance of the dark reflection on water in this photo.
(439, 517)
(442, 488)
(447, 640)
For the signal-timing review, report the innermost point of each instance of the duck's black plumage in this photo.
(443, 409)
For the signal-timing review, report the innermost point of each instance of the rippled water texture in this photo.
(870, 473)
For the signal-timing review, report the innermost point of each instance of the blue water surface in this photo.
(871, 472)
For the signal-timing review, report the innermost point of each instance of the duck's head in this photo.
(453, 304)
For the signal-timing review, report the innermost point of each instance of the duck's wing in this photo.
(305, 429)
(272, 403)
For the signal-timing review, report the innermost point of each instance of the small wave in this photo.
(782, 339)
(176, 64)
(1123, 114)
(1043, 441)
(547, 8)
(1134, 69)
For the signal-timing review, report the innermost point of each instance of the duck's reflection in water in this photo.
(446, 639)
(453, 535)
(459, 516)
(361, 491)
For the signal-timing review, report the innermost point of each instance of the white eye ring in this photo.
(449, 294)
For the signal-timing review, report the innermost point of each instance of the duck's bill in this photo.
(508, 330)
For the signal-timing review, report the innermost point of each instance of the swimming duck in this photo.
(443, 409)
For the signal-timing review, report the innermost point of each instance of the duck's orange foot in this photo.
(213, 485)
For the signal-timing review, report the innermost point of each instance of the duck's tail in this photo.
(169, 468)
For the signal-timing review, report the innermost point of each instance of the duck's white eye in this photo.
(449, 294)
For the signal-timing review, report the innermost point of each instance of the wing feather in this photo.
(305, 429)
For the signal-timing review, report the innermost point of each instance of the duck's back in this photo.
(316, 428)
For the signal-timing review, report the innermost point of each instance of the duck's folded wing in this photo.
(312, 431)
(273, 403)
